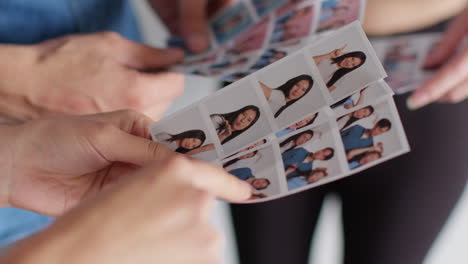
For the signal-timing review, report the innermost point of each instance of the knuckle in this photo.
(179, 164)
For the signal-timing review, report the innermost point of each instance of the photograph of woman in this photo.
(296, 140)
(303, 123)
(287, 94)
(351, 101)
(231, 125)
(349, 119)
(246, 160)
(336, 64)
(303, 178)
(189, 142)
(358, 157)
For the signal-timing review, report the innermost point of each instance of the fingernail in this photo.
(198, 42)
(417, 100)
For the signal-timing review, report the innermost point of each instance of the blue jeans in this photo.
(33, 21)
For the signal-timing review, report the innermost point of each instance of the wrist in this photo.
(15, 89)
(7, 154)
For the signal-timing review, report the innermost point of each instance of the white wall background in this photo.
(451, 246)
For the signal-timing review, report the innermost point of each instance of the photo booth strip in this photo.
(230, 24)
(239, 122)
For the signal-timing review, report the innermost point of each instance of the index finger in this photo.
(445, 79)
(214, 180)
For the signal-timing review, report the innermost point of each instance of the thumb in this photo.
(194, 24)
(449, 43)
(120, 146)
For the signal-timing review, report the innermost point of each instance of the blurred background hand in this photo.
(449, 84)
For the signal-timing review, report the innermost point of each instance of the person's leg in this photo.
(392, 213)
(278, 231)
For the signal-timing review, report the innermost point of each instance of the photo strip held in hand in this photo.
(285, 109)
(240, 27)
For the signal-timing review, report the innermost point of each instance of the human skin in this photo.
(85, 74)
(450, 83)
(133, 222)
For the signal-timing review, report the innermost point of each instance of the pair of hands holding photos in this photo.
(120, 194)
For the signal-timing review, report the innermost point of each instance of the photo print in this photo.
(294, 24)
(365, 96)
(314, 119)
(261, 169)
(338, 13)
(310, 155)
(264, 7)
(231, 21)
(237, 116)
(370, 139)
(346, 61)
(186, 132)
(292, 89)
(253, 39)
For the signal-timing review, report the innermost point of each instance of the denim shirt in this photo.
(33, 21)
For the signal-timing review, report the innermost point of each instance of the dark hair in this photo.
(230, 117)
(341, 102)
(359, 157)
(384, 123)
(343, 71)
(229, 163)
(353, 119)
(328, 157)
(196, 133)
(308, 123)
(286, 89)
(267, 181)
(293, 138)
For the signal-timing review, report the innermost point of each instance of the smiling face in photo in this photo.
(244, 119)
(299, 89)
(190, 143)
(350, 62)
(362, 113)
(303, 138)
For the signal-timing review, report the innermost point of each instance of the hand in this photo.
(188, 19)
(450, 83)
(227, 130)
(58, 162)
(158, 214)
(337, 52)
(84, 74)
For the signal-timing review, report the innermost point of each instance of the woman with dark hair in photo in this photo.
(348, 119)
(287, 94)
(296, 140)
(268, 57)
(362, 156)
(246, 174)
(336, 64)
(189, 142)
(303, 123)
(350, 102)
(230, 125)
(302, 178)
(246, 160)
